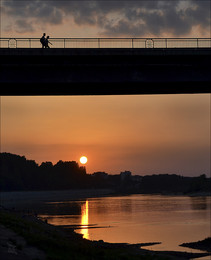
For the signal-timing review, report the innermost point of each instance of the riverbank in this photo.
(56, 243)
(16, 198)
(204, 245)
(12, 198)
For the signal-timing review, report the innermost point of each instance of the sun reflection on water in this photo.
(85, 220)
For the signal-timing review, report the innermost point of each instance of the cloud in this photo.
(23, 26)
(115, 18)
(158, 17)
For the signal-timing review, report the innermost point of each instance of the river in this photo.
(171, 220)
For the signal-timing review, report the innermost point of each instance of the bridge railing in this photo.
(108, 43)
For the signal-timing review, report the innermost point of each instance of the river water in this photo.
(171, 220)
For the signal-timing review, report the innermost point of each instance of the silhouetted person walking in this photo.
(47, 42)
(42, 40)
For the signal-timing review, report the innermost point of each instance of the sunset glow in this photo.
(145, 134)
(105, 137)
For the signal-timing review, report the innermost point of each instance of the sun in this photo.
(83, 159)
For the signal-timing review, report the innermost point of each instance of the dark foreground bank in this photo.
(23, 233)
(204, 245)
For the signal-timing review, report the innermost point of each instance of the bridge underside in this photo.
(105, 71)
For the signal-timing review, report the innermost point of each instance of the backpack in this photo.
(42, 40)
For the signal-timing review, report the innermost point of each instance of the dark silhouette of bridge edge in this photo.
(104, 71)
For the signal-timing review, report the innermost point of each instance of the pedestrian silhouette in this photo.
(47, 42)
(42, 40)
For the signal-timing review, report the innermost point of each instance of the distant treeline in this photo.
(19, 174)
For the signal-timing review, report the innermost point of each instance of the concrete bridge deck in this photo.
(105, 70)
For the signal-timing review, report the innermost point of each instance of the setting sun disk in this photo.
(83, 159)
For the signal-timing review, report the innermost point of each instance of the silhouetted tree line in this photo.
(17, 173)
(175, 184)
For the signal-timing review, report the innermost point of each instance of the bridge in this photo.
(105, 66)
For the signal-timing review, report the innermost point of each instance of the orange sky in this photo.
(142, 133)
